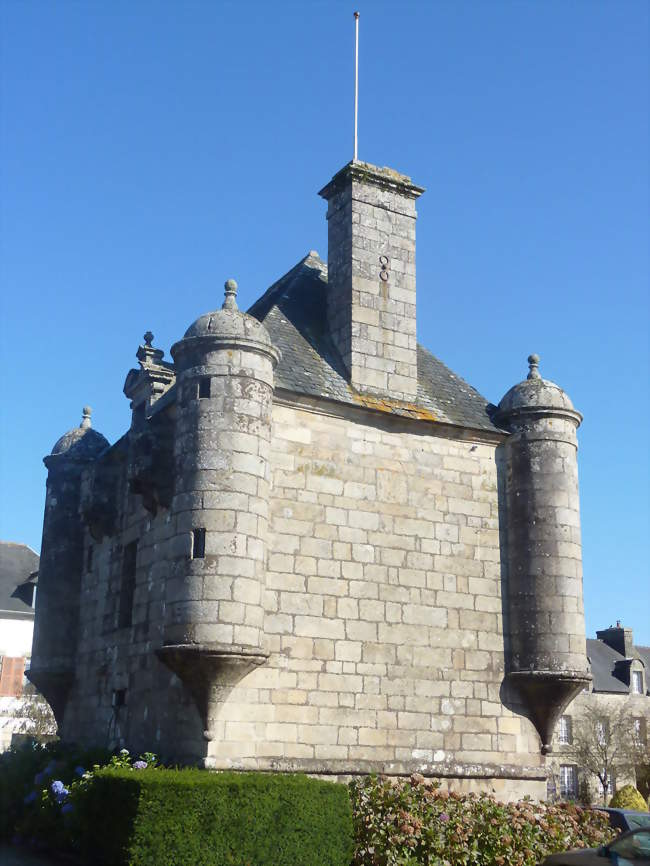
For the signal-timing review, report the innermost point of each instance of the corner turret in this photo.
(214, 614)
(59, 581)
(546, 655)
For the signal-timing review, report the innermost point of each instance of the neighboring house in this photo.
(317, 548)
(621, 678)
(18, 582)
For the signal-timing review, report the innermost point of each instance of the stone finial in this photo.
(230, 301)
(85, 421)
(533, 361)
(148, 339)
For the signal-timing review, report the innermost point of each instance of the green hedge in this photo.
(178, 817)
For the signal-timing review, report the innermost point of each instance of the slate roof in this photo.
(294, 312)
(603, 660)
(17, 563)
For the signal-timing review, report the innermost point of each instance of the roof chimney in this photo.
(371, 275)
(618, 638)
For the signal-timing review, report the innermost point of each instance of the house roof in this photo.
(603, 661)
(17, 564)
(294, 311)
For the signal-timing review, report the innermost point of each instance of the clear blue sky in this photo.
(150, 150)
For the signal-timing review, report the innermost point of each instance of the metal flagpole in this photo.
(356, 84)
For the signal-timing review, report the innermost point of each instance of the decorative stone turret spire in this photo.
(85, 420)
(230, 301)
(533, 361)
(147, 355)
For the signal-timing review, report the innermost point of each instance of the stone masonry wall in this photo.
(383, 609)
(383, 618)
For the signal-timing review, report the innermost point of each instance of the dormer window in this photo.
(637, 683)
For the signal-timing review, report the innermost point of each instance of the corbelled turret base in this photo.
(55, 688)
(210, 672)
(546, 694)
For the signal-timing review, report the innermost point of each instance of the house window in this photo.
(602, 732)
(89, 558)
(11, 676)
(568, 781)
(198, 543)
(565, 734)
(637, 682)
(204, 387)
(127, 590)
(639, 732)
(611, 784)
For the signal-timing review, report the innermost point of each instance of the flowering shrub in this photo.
(407, 822)
(40, 787)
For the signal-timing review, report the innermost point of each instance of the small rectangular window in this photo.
(198, 543)
(89, 558)
(127, 590)
(119, 697)
(204, 387)
(565, 733)
(637, 682)
(568, 781)
(639, 732)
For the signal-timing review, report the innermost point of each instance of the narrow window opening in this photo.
(119, 698)
(565, 733)
(204, 387)
(637, 682)
(198, 543)
(127, 590)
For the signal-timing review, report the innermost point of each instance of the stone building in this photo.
(621, 682)
(317, 548)
(18, 580)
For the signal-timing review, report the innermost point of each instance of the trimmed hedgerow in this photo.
(195, 818)
(412, 822)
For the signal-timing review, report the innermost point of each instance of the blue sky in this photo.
(150, 150)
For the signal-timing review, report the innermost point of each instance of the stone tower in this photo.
(59, 577)
(371, 277)
(214, 615)
(546, 658)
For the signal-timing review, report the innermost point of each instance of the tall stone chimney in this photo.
(371, 275)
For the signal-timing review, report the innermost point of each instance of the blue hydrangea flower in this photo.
(140, 765)
(79, 771)
(30, 798)
(59, 790)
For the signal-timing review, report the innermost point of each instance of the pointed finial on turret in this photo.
(230, 302)
(533, 361)
(85, 421)
(148, 338)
